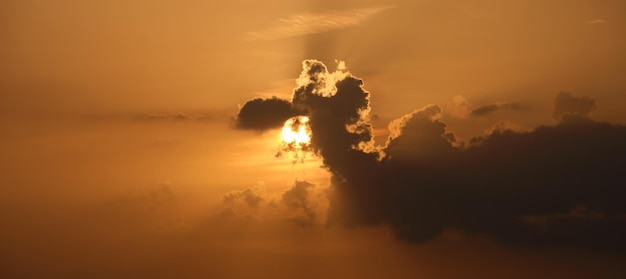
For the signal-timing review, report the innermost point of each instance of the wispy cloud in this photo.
(488, 109)
(302, 24)
(597, 21)
(461, 108)
(175, 116)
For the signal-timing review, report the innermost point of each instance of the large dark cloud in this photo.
(553, 185)
(497, 183)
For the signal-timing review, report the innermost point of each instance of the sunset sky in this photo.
(449, 139)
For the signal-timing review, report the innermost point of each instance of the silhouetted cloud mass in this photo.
(557, 185)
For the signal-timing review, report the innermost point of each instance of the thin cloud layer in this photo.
(596, 21)
(303, 24)
(175, 116)
(425, 180)
(461, 108)
(488, 109)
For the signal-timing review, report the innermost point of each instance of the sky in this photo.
(447, 139)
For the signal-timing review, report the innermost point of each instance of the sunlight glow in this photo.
(296, 132)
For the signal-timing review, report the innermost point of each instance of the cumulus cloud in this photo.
(419, 134)
(566, 103)
(244, 203)
(304, 204)
(303, 24)
(425, 180)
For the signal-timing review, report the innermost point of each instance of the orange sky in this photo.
(146, 55)
(118, 134)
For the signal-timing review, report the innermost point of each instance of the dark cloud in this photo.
(419, 135)
(263, 114)
(565, 103)
(491, 185)
(550, 170)
(488, 109)
(425, 179)
(494, 183)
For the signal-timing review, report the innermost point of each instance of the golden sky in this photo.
(122, 157)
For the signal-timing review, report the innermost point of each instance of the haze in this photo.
(122, 155)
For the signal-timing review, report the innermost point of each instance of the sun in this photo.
(296, 132)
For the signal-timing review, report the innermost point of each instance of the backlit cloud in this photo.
(425, 179)
(263, 114)
(303, 24)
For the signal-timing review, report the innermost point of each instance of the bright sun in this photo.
(296, 132)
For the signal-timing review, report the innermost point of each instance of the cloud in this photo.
(304, 203)
(175, 116)
(250, 197)
(419, 135)
(164, 191)
(263, 114)
(461, 108)
(303, 24)
(565, 103)
(597, 21)
(502, 126)
(244, 203)
(488, 109)
(306, 206)
(425, 180)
